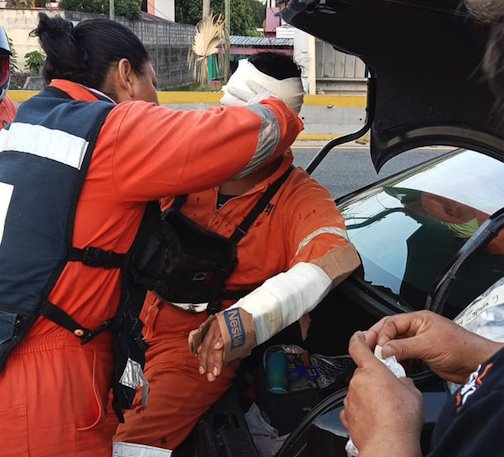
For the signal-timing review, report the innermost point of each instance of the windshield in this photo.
(409, 227)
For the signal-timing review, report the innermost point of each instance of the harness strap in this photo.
(235, 294)
(59, 317)
(242, 229)
(215, 307)
(179, 201)
(259, 207)
(97, 257)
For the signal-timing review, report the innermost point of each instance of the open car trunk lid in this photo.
(426, 56)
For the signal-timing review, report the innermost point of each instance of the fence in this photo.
(336, 70)
(168, 44)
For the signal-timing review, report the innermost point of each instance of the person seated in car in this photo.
(294, 253)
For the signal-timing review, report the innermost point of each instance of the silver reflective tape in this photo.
(191, 307)
(321, 231)
(269, 137)
(122, 449)
(133, 377)
(44, 142)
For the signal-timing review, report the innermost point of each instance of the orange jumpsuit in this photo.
(7, 112)
(280, 238)
(54, 390)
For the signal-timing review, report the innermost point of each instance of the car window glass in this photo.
(456, 180)
(481, 271)
(409, 227)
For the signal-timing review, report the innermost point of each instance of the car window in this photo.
(408, 228)
(479, 274)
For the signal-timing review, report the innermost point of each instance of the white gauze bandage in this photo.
(289, 90)
(285, 298)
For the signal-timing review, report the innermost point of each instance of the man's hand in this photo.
(383, 414)
(210, 352)
(451, 351)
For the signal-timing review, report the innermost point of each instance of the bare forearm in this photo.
(387, 445)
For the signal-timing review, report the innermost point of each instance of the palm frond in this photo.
(210, 33)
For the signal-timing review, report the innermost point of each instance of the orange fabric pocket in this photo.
(14, 432)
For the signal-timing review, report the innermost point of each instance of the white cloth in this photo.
(290, 90)
(485, 315)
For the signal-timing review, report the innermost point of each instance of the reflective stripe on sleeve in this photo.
(269, 137)
(321, 231)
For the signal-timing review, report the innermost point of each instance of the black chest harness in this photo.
(186, 264)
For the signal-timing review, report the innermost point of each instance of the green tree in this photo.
(20, 4)
(127, 8)
(34, 61)
(246, 15)
(13, 58)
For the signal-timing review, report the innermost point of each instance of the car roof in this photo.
(426, 57)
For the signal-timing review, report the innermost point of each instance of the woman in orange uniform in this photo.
(78, 165)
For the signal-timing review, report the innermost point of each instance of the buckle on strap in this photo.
(59, 317)
(97, 257)
(90, 334)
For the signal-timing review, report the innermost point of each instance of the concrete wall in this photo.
(18, 23)
(168, 43)
(337, 72)
(324, 116)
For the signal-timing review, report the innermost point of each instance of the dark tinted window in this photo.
(409, 227)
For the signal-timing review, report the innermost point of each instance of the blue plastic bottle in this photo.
(276, 372)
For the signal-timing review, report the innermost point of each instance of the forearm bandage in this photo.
(279, 302)
(283, 299)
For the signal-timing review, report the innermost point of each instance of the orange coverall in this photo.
(179, 395)
(7, 112)
(54, 390)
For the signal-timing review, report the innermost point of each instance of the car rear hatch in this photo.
(426, 57)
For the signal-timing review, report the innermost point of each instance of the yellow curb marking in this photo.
(210, 98)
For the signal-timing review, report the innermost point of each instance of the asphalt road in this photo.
(347, 169)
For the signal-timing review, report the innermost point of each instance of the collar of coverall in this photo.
(287, 160)
(78, 91)
(290, 90)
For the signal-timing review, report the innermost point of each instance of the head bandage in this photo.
(290, 90)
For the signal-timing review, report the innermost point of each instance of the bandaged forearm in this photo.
(279, 302)
(283, 299)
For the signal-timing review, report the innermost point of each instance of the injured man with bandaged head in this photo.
(291, 249)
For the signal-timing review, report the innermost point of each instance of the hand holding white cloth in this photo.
(239, 96)
(248, 85)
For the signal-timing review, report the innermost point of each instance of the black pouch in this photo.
(185, 263)
(129, 348)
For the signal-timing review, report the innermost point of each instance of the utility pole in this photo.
(206, 8)
(111, 10)
(227, 18)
